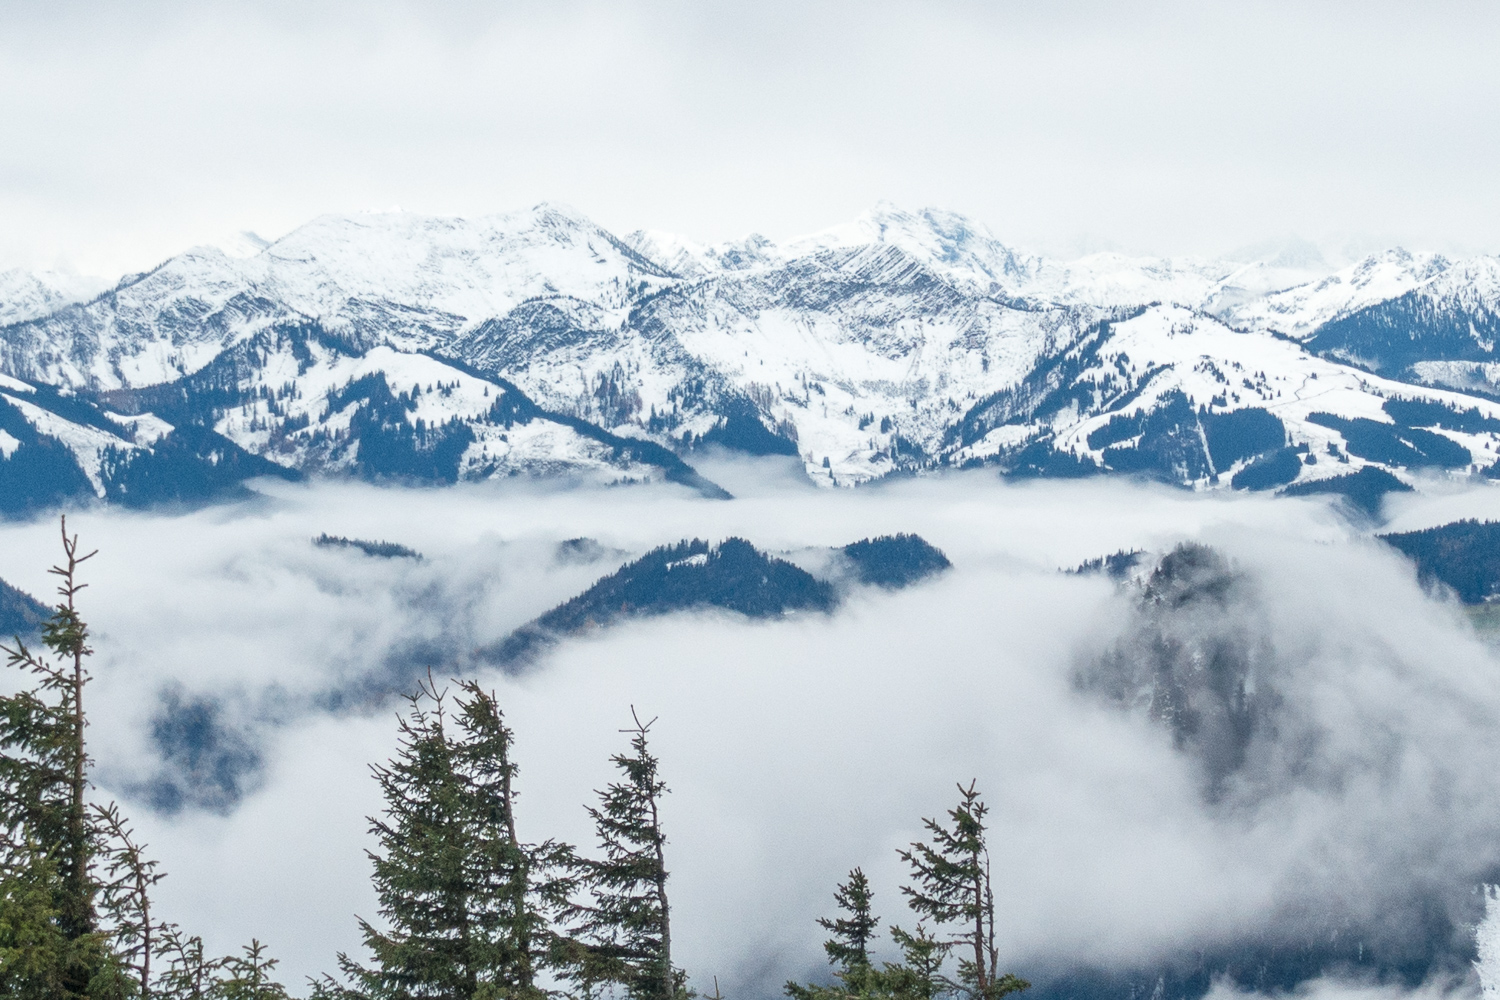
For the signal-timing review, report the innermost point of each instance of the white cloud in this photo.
(135, 132)
(799, 749)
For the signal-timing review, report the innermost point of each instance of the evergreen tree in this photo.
(75, 886)
(33, 950)
(527, 886)
(50, 843)
(917, 977)
(249, 977)
(848, 949)
(627, 930)
(128, 876)
(190, 975)
(466, 902)
(952, 885)
(850, 945)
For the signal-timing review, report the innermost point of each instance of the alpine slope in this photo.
(402, 347)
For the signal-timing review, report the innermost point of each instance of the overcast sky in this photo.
(131, 131)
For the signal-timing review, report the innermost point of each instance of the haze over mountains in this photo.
(426, 349)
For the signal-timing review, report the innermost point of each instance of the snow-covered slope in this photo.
(536, 342)
(302, 399)
(26, 295)
(964, 252)
(1487, 942)
(1442, 331)
(969, 257)
(858, 358)
(1299, 311)
(410, 279)
(56, 446)
(1150, 395)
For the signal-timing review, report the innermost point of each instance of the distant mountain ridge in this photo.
(20, 614)
(1464, 555)
(732, 576)
(399, 346)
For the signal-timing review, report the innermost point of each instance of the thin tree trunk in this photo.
(78, 855)
(79, 860)
(661, 898)
(979, 964)
(989, 911)
(145, 938)
(523, 936)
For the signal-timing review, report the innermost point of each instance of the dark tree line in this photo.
(468, 910)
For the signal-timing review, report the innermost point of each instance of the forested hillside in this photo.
(1464, 555)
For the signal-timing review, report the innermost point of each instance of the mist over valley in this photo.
(1258, 756)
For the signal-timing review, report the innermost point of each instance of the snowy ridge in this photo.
(1169, 353)
(535, 342)
(88, 444)
(410, 278)
(26, 295)
(1298, 312)
(963, 251)
(304, 406)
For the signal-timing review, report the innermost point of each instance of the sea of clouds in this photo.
(800, 748)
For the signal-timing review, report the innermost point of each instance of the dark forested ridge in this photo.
(1393, 444)
(1117, 566)
(1465, 555)
(1365, 490)
(894, 561)
(190, 464)
(733, 575)
(20, 613)
(379, 549)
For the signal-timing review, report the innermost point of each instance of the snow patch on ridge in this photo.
(27, 295)
(1298, 312)
(88, 444)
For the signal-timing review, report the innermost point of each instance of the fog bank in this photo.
(797, 749)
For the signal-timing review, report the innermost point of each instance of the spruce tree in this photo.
(917, 977)
(249, 976)
(126, 881)
(849, 948)
(50, 843)
(527, 886)
(75, 886)
(951, 879)
(919, 974)
(190, 974)
(467, 904)
(627, 929)
(34, 954)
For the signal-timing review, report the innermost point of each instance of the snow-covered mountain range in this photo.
(440, 349)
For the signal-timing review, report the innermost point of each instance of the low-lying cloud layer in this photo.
(1360, 801)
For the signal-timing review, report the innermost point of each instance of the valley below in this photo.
(1260, 757)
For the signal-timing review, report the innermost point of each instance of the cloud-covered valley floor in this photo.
(799, 748)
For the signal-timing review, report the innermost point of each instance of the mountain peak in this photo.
(960, 248)
(1291, 253)
(26, 294)
(240, 245)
